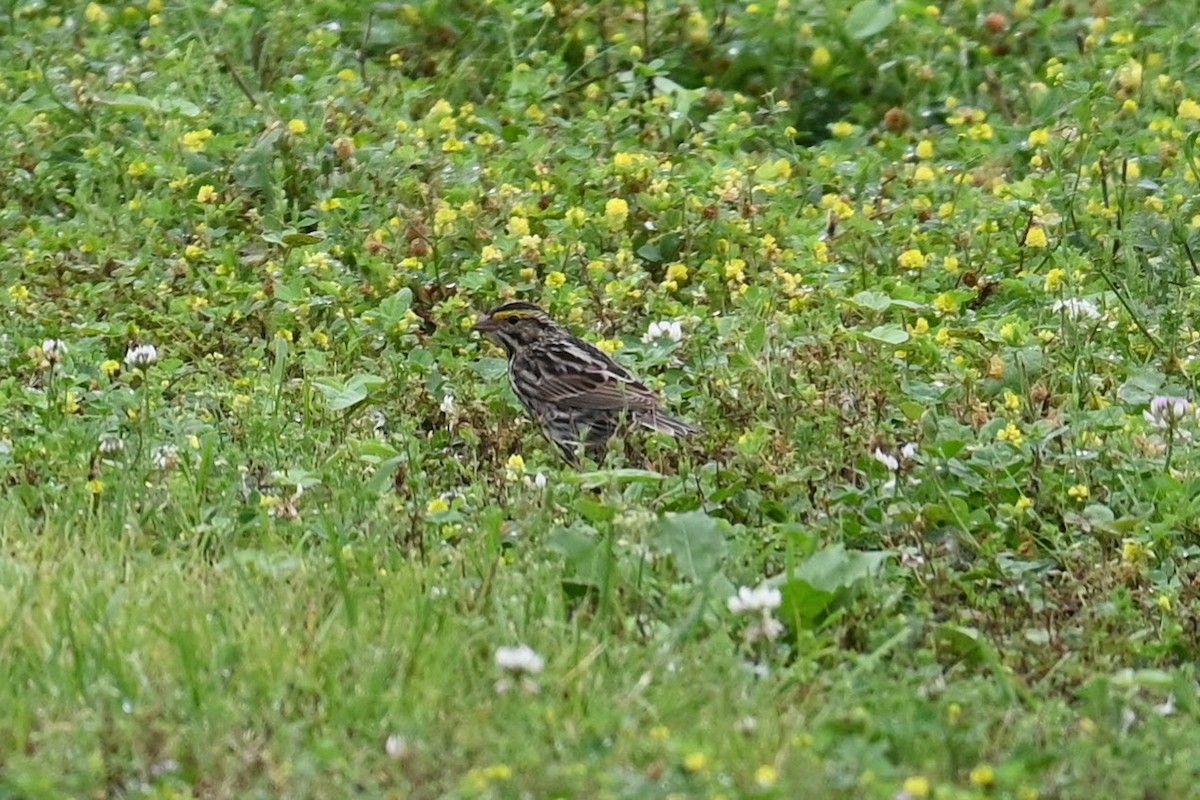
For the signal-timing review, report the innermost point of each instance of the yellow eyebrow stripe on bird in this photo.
(514, 313)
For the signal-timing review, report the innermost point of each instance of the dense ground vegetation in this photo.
(272, 524)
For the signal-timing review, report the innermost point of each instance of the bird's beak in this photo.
(484, 325)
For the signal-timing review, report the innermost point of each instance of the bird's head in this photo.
(516, 325)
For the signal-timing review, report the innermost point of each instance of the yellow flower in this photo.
(912, 258)
(609, 346)
(695, 762)
(1054, 279)
(766, 776)
(1024, 503)
(490, 254)
(676, 273)
(516, 463)
(1012, 400)
(193, 252)
(137, 169)
(1011, 434)
(110, 367)
(195, 141)
(1039, 137)
(95, 13)
(920, 327)
(842, 129)
(1036, 237)
(945, 303)
(917, 787)
(518, 226)
(452, 145)
(576, 216)
(821, 58)
(347, 74)
(436, 506)
(1188, 109)
(207, 194)
(95, 486)
(555, 279)
(443, 219)
(925, 149)
(735, 269)
(330, 204)
(923, 174)
(983, 776)
(297, 126)
(1079, 491)
(616, 211)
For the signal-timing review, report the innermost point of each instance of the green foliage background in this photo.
(932, 266)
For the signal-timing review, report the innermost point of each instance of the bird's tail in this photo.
(663, 423)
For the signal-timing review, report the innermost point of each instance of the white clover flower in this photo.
(111, 445)
(888, 460)
(1076, 308)
(537, 481)
(1167, 412)
(520, 665)
(54, 350)
(671, 330)
(519, 660)
(165, 458)
(141, 356)
(397, 747)
(766, 629)
(448, 406)
(764, 599)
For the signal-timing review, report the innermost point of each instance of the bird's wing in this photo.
(576, 374)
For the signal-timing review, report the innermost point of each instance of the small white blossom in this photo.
(54, 350)
(397, 747)
(1167, 412)
(111, 445)
(1076, 308)
(165, 458)
(766, 629)
(755, 601)
(536, 481)
(520, 665)
(888, 460)
(448, 406)
(671, 330)
(519, 660)
(141, 356)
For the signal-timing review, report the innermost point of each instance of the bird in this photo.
(577, 394)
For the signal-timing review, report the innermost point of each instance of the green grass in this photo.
(932, 267)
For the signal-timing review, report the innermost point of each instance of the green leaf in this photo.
(607, 477)
(695, 541)
(887, 334)
(341, 396)
(838, 568)
(594, 511)
(491, 368)
(869, 18)
(874, 301)
(819, 584)
(1141, 387)
(586, 555)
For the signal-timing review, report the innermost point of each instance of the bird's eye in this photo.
(511, 320)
